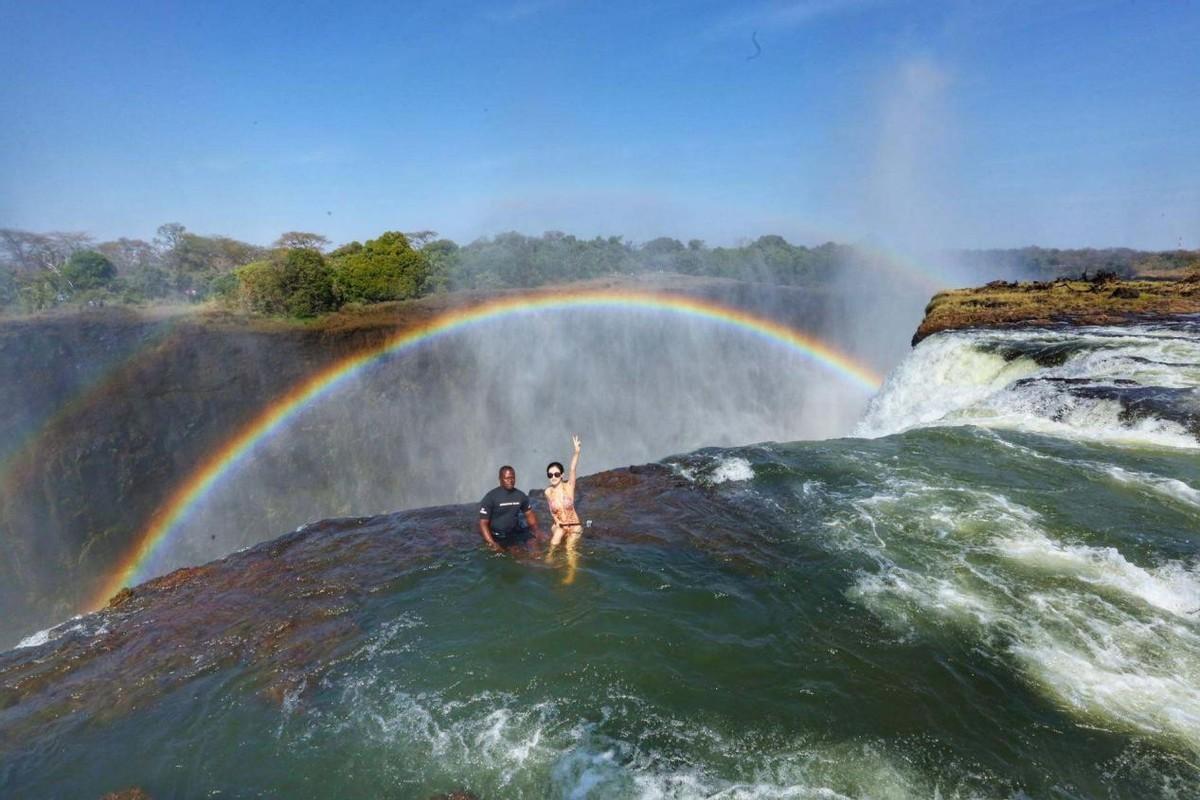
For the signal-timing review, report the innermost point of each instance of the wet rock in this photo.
(281, 614)
(132, 793)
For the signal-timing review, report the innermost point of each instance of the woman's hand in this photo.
(575, 441)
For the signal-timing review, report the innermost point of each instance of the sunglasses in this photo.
(553, 474)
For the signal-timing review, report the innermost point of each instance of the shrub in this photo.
(38, 292)
(87, 269)
(260, 288)
(225, 288)
(295, 282)
(307, 283)
(386, 268)
(151, 282)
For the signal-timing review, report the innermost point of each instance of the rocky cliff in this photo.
(1104, 300)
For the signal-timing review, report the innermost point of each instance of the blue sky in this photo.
(960, 124)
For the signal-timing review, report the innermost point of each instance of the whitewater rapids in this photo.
(992, 591)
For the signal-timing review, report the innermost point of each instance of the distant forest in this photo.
(302, 275)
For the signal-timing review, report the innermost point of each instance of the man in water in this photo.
(500, 514)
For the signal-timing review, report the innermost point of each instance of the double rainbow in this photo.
(166, 519)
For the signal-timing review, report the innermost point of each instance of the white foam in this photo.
(54, 632)
(1125, 674)
(732, 469)
(902, 596)
(941, 375)
(955, 379)
(1114, 642)
(726, 469)
(1168, 487)
(503, 747)
(1172, 587)
(34, 640)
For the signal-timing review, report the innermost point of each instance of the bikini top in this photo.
(567, 504)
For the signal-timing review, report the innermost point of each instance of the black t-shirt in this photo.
(505, 508)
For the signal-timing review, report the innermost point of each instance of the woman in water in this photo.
(560, 497)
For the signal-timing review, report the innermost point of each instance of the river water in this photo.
(992, 590)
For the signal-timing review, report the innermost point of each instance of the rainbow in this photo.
(219, 462)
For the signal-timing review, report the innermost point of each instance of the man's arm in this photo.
(485, 530)
(531, 519)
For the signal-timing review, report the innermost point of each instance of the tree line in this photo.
(1048, 264)
(301, 275)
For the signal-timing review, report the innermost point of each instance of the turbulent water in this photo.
(994, 593)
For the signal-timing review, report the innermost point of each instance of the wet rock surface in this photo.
(282, 612)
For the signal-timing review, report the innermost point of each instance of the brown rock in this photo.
(132, 793)
(1102, 300)
(121, 598)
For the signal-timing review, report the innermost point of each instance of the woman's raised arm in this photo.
(574, 457)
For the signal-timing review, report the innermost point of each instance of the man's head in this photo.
(508, 477)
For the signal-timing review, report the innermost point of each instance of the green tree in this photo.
(260, 288)
(661, 254)
(294, 282)
(386, 268)
(418, 239)
(128, 255)
(87, 269)
(442, 257)
(194, 261)
(226, 288)
(303, 240)
(39, 291)
(307, 283)
(347, 250)
(148, 282)
(8, 286)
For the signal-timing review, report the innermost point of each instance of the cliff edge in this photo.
(1103, 300)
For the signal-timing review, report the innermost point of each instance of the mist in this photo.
(433, 426)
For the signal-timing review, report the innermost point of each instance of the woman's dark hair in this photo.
(560, 468)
